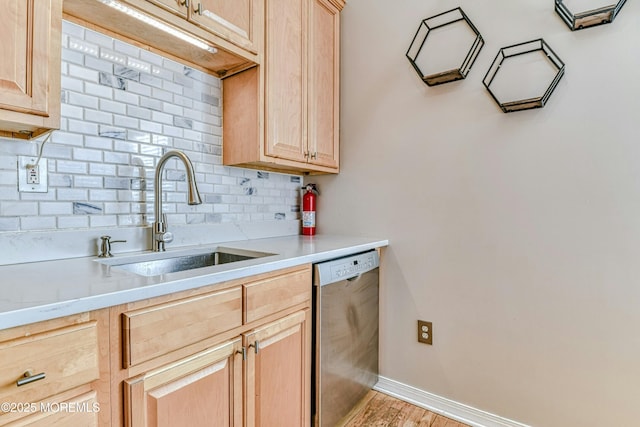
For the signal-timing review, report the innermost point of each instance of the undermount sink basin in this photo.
(167, 262)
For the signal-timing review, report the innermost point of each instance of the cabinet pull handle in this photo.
(29, 377)
(256, 346)
(198, 10)
(244, 353)
(184, 3)
(306, 155)
(314, 156)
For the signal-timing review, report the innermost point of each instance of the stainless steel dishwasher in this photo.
(345, 335)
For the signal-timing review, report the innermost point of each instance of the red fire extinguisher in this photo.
(309, 210)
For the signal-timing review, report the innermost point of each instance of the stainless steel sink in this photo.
(166, 262)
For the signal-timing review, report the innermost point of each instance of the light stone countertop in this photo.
(36, 291)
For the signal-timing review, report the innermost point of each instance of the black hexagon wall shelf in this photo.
(524, 75)
(589, 18)
(431, 40)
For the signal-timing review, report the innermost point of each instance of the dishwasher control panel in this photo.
(345, 268)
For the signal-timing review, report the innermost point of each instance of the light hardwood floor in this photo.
(380, 410)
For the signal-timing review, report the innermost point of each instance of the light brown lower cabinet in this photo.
(200, 390)
(56, 372)
(250, 367)
(206, 389)
(278, 372)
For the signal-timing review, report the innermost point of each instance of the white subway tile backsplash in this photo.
(9, 223)
(102, 195)
(102, 169)
(37, 223)
(150, 57)
(124, 121)
(152, 104)
(16, 208)
(66, 138)
(126, 48)
(139, 88)
(70, 111)
(117, 208)
(161, 95)
(66, 166)
(129, 147)
(96, 221)
(99, 90)
(141, 113)
(87, 155)
(9, 193)
(107, 105)
(122, 109)
(82, 100)
(83, 73)
(72, 30)
(56, 208)
(118, 158)
(66, 222)
(99, 39)
(82, 127)
(99, 64)
(112, 132)
(72, 57)
(134, 135)
(126, 97)
(87, 181)
(152, 127)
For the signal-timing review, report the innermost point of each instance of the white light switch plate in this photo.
(23, 174)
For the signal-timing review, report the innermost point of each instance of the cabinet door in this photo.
(30, 66)
(285, 87)
(324, 90)
(179, 7)
(234, 20)
(202, 390)
(279, 373)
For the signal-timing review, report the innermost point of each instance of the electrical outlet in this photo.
(32, 179)
(425, 332)
(33, 175)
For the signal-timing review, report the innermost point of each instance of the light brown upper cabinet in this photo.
(235, 21)
(30, 67)
(284, 115)
(232, 27)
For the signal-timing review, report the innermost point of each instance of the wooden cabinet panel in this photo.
(30, 67)
(293, 97)
(202, 390)
(284, 79)
(324, 90)
(179, 7)
(80, 411)
(236, 21)
(278, 373)
(68, 357)
(153, 331)
(269, 296)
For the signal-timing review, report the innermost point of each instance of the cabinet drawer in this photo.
(68, 357)
(153, 331)
(80, 411)
(268, 296)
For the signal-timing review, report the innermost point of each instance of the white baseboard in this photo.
(443, 406)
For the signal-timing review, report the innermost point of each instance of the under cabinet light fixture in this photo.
(149, 20)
